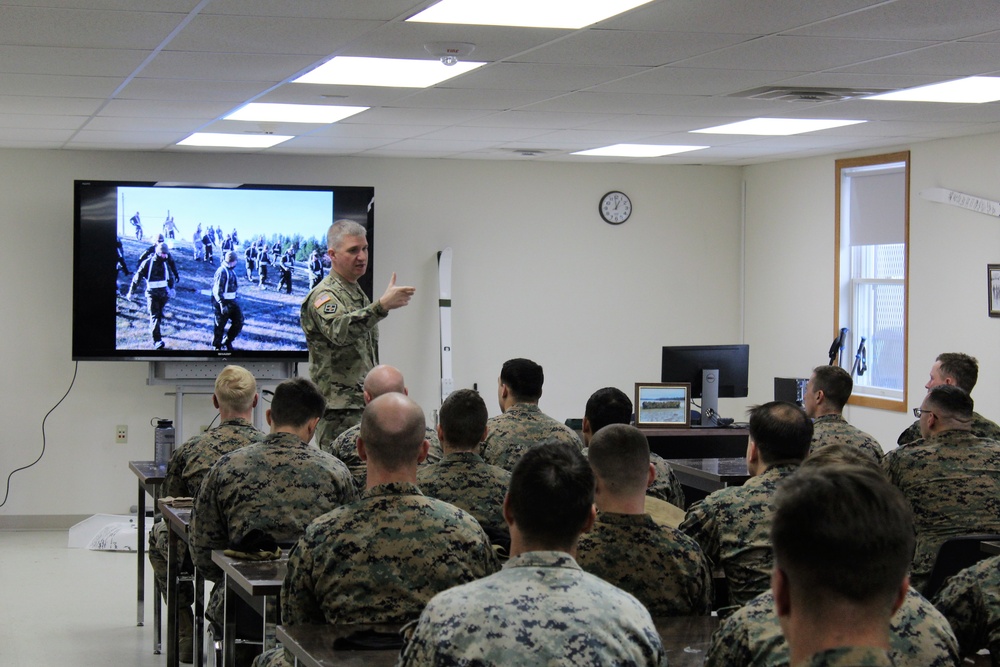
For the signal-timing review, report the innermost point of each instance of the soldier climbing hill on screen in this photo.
(159, 288)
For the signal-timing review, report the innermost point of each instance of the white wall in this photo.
(789, 276)
(536, 274)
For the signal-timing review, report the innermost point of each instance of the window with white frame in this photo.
(871, 268)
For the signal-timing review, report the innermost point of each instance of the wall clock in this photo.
(615, 207)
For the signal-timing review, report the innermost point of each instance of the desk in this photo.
(178, 520)
(691, 443)
(253, 581)
(710, 474)
(990, 547)
(685, 639)
(312, 646)
(150, 478)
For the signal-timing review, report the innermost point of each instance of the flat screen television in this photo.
(107, 241)
(714, 371)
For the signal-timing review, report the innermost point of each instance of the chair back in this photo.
(954, 555)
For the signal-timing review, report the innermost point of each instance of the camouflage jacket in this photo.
(341, 328)
(952, 481)
(380, 559)
(664, 568)
(751, 637)
(191, 461)
(834, 429)
(345, 448)
(971, 602)
(278, 486)
(981, 427)
(733, 527)
(524, 425)
(541, 609)
(466, 481)
(850, 656)
(665, 485)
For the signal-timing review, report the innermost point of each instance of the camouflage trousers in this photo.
(335, 422)
(158, 559)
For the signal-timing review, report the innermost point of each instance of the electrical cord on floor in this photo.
(6, 495)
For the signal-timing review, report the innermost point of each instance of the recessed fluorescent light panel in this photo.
(777, 126)
(568, 14)
(388, 72)
(972, 90)
(638, 150)
(223, 140)
(293, 113)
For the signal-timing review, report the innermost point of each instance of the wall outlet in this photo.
(121, 434)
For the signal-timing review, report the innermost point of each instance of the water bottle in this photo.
(163, 439)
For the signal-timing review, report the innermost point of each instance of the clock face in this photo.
(615, 207)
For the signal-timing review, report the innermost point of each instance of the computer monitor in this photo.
(713, 370)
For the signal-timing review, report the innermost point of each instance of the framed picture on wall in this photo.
(993, 283)
(662, 404)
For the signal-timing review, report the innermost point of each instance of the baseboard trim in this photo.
(41, 521)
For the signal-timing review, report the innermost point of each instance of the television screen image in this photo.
(131, 304)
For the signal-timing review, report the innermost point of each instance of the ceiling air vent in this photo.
(803, 94)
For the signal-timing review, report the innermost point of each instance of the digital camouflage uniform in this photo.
(541, 609)
(981, 427)
(664, 568)
(341, 327)
(952, 481)
(345, 448)
(850, 656)
(733, 527)
(277, 486)
(380, 560)
(834, 429)
(919, 636)
(187, 468)
(466, 481)
(665, 485)
(971, 602)
(523, 426)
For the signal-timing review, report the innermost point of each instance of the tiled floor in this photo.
(62, 606)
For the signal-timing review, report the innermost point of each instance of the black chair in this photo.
(954, 555)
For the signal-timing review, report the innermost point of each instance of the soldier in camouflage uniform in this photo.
(961, 370)
(610, 405)
(842, 537)
(381, 559)
(277, 486)
(235, 398)
(919, 636)
(664, 568)
(733, 525)
(380, 380)
(462, 478)
(522, 425)
(751, 637)
(827, 392)
(971, 603)
(950, 477)
(541, 609)
(341, 328)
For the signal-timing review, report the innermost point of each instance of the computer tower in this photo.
(792, 390)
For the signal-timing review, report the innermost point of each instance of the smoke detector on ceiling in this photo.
(449, 52)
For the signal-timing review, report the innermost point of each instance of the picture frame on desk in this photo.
(663, 404)
(993, 289)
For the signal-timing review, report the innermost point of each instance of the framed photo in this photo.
(993, 283)
(663, 404)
